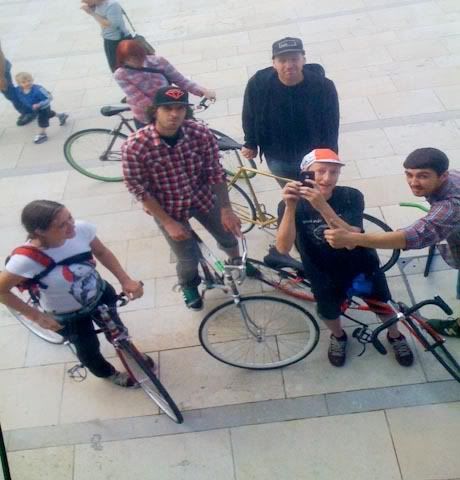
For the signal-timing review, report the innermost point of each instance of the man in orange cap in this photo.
(312, 206)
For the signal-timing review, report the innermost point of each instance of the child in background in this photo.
(38, 99)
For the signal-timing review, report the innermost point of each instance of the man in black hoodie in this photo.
(289, 109)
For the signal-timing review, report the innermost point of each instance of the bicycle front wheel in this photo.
(96, 153)
(142, 373)
(48, 335)
(232, 161)
(434, 343)
(387, 258)
(259, 333)
(242, 206)
(285, 281)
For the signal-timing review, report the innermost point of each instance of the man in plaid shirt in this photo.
(428, 176)
(172, 167)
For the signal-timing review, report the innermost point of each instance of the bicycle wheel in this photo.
(282, 280)
(140, 371)
(433, 342)
(242, 206)
(45, 334)
(387, 257)
(96, 153)
(231, 162)
(259, 333)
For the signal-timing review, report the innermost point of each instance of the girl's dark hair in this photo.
(39, 214)
(430, 158)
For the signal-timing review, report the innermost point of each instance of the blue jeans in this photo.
(187, 251)
(281, 168)
(10, 93)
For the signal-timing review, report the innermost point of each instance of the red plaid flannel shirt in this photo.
(178, 177)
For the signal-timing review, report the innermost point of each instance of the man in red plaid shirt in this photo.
(428, 176)
(172, 166)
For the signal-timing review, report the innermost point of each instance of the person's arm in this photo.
(7, 282)
(178, 79)
(103, 22)
(341, 238)
(316, 199)
(249, 120)
(3, 83)
(45, 98)
(129, 286)
(229, 219)
(285, 237)
(330, 116)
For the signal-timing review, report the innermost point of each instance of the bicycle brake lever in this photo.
(443, 305)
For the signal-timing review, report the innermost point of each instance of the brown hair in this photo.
(39, 214)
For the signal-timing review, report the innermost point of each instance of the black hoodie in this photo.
(288, 122)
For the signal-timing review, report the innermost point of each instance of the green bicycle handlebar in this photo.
(414, 205)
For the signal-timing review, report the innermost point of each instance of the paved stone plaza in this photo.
(396, 65)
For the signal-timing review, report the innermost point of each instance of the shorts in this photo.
(330, 290)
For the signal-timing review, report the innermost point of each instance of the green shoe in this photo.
(192, 298)
(251, 271)
(448, 328)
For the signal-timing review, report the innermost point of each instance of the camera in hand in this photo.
(307, 176)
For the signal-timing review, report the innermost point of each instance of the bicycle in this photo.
(256, 332)
(285, 274)
(139, 366)
(96, 152)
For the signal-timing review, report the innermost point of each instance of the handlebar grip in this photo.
(442, 304)
(379, 346)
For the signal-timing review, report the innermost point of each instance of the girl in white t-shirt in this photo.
(73, 291)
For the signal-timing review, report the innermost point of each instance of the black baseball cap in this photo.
(171, 96)
(286, 45)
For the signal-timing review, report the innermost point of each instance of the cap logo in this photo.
(287, 43)
(175, 93)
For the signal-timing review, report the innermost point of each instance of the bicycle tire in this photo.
(242, 206)
(438, 350)
(86, 155)
(224, 333)
(48, 335)
(387, 258)
(282, 280)
(142, 373)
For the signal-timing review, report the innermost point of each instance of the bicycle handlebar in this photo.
(405, 311)
(203, 105)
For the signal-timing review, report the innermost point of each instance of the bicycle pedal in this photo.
(78, 372)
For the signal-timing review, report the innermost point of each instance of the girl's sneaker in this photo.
(40, 138)
(62, 117)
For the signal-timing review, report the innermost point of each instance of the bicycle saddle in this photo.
(109, 110)
(274, 259)
(226, 143)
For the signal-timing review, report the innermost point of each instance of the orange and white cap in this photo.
(324, 155)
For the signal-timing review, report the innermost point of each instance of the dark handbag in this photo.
(140, 39)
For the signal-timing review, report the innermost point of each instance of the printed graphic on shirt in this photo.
(84, 281)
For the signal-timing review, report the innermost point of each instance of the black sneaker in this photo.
(403, 353)
(192, 298)
(62, 117)
(337, 352)
(25, 118)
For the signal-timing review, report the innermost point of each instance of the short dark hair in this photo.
(430, 158)
(39, 214)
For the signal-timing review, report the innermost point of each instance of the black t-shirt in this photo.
(171, 141)
(348, 203)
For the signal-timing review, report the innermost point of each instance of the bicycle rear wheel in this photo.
(143, 374)
(434, 343)
(96, 153)
(232, 161)
(285, 281)
(259, 333)
(242, 206)
(387, 258)
(48, 335)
